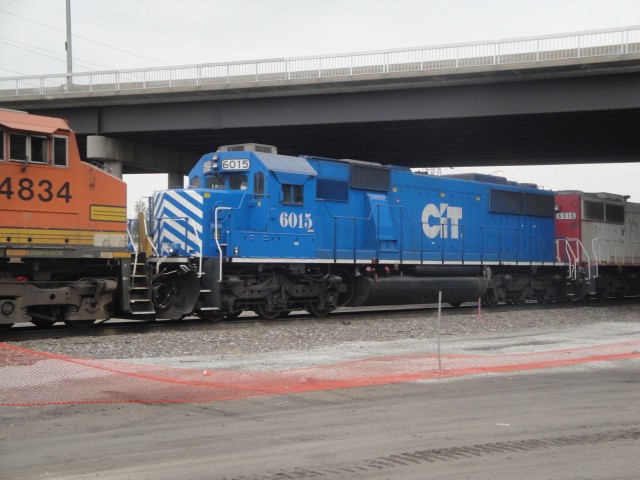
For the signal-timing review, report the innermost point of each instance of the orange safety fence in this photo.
(31, 378)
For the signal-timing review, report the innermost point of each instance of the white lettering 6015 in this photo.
(296, 220)
(236, 164)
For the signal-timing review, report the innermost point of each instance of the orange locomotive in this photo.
(63, 236)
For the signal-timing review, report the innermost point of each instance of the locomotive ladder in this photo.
(140, 293)
(140, 288)
(209, 287)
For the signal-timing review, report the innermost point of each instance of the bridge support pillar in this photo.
(121, 156)
(175, 180)
(114, 167)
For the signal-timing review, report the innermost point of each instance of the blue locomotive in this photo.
(273, 233)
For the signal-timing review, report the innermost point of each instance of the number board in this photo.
(566, 215)
(236, 164)
(27, 190)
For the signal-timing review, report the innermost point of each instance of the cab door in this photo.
(259, 202)
(293, 218)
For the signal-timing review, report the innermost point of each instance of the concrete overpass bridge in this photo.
(570, 98)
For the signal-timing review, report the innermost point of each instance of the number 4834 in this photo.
(26, 189)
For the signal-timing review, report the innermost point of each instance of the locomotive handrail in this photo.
(199, 243)
(634, 255)
(215, 236)
(418, 239)
(596, 255)
(355, 231)
(160, 258)
(573, 260)
(135, 252)
(573, 257)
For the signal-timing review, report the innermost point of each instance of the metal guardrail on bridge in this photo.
(619, 42)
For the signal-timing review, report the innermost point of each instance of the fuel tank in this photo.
(404, 290)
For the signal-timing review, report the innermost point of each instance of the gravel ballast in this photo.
(307, 334)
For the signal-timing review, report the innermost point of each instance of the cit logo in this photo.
(441, 221)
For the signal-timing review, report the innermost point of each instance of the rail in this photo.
(572, 254)
(216, 236)
(619, 42)
(134, 246)
(507, 242)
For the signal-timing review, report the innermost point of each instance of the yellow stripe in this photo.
(44, 236)
(106, 213)
(14, 252)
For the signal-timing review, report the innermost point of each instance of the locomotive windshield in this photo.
(238, 182)
(215, 183)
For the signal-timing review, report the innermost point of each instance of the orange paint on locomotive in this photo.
(51, 198)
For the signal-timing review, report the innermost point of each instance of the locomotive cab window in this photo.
(215, 183)
(60, 152)
(292, 194)
(39, 147)
(238, 182)
(31, 148)
(17, 146)
(258, 183)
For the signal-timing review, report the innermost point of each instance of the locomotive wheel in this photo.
(233, 315)
(317, 311)
(518, 299)
(46, 316)
(543, 299)
(79, 324)
(5, 326)
(42, 322)
(267, 314)
(211, 315)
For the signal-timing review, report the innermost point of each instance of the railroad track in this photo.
(123, 326)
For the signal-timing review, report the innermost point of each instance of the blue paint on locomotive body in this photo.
(277, 208)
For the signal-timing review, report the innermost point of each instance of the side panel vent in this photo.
(370, 178)
(336, 190)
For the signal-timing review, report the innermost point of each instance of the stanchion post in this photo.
(438, 328)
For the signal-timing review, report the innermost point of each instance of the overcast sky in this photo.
(119, 34)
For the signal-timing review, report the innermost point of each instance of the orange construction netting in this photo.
(31, 378)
